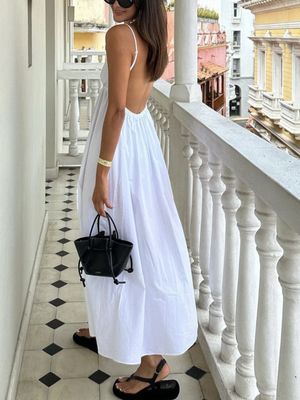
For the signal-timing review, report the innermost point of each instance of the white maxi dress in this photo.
(154, 312)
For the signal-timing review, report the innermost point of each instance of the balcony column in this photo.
(185, 89)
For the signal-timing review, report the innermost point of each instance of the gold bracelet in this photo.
(104, 162)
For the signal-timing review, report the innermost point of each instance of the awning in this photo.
(210, 70)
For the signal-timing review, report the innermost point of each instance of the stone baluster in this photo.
(159, 117)
(288, 386)
(79, 58)
(151, 106)
(205, 234)
(166, 129)
(267, 340)
(74, 117)
(156, 119)
(247, 293)
(187, 154)
(230, 204)
(89, 58)
(162, 122)
(216, 186)
(94, 86)
(196, 214)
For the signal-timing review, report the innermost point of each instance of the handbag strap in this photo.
(110, 219)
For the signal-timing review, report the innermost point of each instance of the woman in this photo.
(154, 313)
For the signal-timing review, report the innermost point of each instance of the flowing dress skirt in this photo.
(155, 311)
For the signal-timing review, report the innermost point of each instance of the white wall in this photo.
(22, 155)
(55, 28)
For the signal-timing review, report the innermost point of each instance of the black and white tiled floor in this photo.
(53, 366)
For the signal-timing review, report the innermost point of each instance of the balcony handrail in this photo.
(88, 52)
(82, 66)
(279, 187)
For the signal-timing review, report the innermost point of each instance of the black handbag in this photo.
(103, 255)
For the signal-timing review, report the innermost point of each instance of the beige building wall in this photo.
(91, 11)
(89, 40)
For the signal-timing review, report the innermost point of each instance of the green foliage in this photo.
(170, 5)
(206, 13)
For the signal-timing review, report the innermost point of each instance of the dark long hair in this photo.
(151, 24)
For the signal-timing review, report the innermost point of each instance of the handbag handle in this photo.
(109, 218)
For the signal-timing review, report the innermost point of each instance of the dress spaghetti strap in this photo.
(136, 48)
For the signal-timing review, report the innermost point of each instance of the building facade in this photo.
(274, 99)
(238, 25)
(90, 25)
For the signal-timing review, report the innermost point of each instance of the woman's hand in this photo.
(100, 195)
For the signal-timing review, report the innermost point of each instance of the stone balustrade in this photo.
(290, 117)
(74, 74)
(255, 96)
(239, 201)
(88, 56)
(211, 38)
(271, 105)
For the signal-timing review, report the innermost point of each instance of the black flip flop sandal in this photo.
(160, 390)
(84, 341)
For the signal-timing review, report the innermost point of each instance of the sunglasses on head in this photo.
(122, 3)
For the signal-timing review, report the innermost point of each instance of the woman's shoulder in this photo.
(117, 32)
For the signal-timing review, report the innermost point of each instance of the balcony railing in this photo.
(75, 74)
(239, 201)
(88, 56)
(290, 117)
(255, 96)
(271, 106)
(211, 38)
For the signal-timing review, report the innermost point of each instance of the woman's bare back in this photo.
(139, 86)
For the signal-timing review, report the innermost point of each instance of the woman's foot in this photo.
(82, 338)
(84, 332)
(146, 369)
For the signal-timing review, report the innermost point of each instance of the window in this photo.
(236, 38)
(261, 69)
(277, 74)
(296, 80)
(236, 67)
(235, 10)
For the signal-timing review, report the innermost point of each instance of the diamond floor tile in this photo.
(54, 367)
(52, 349)
(99, 376)
(49, 379)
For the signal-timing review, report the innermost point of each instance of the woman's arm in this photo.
(119, 53)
